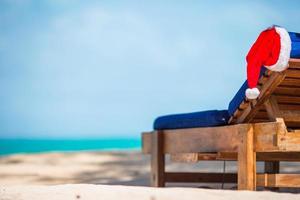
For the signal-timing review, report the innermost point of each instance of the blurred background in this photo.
(94, 74)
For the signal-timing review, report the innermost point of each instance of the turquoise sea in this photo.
(12, 146)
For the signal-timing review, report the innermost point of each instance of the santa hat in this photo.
(272, 50)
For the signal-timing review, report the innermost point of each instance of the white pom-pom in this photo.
(252, 93)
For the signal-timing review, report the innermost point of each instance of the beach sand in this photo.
(98, 175)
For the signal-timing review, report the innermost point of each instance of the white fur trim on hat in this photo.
(252, 93)
(285, 51)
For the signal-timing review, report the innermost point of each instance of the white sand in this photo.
(105, 192)
(87, 175)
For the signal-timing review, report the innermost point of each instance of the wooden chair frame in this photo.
(245, 143)
(266, 129)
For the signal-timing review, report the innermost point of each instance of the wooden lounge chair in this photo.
(266, 129)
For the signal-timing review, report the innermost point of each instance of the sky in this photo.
(92, 69)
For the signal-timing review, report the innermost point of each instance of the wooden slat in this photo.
(288, 99)
(190, 157)
(291, 116)
(293, 82)
(278, 156)
(292, 125)
(278, 180)
(195, 157)
(289, 106)
(214, 139)
(201, 177)
(293, 73)
(287, 91)
(294, 63)
(232, 156)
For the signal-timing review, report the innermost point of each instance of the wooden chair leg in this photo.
(272, 167)
(157, 160)
(247, 161)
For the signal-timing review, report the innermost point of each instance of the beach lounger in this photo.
(265, 129)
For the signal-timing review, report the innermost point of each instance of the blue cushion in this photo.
(192, 120)
(295, 37)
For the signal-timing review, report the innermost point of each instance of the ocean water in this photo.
(13, 146)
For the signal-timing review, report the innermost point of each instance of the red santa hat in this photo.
(271, 49)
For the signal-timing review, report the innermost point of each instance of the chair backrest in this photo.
(279, 98)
